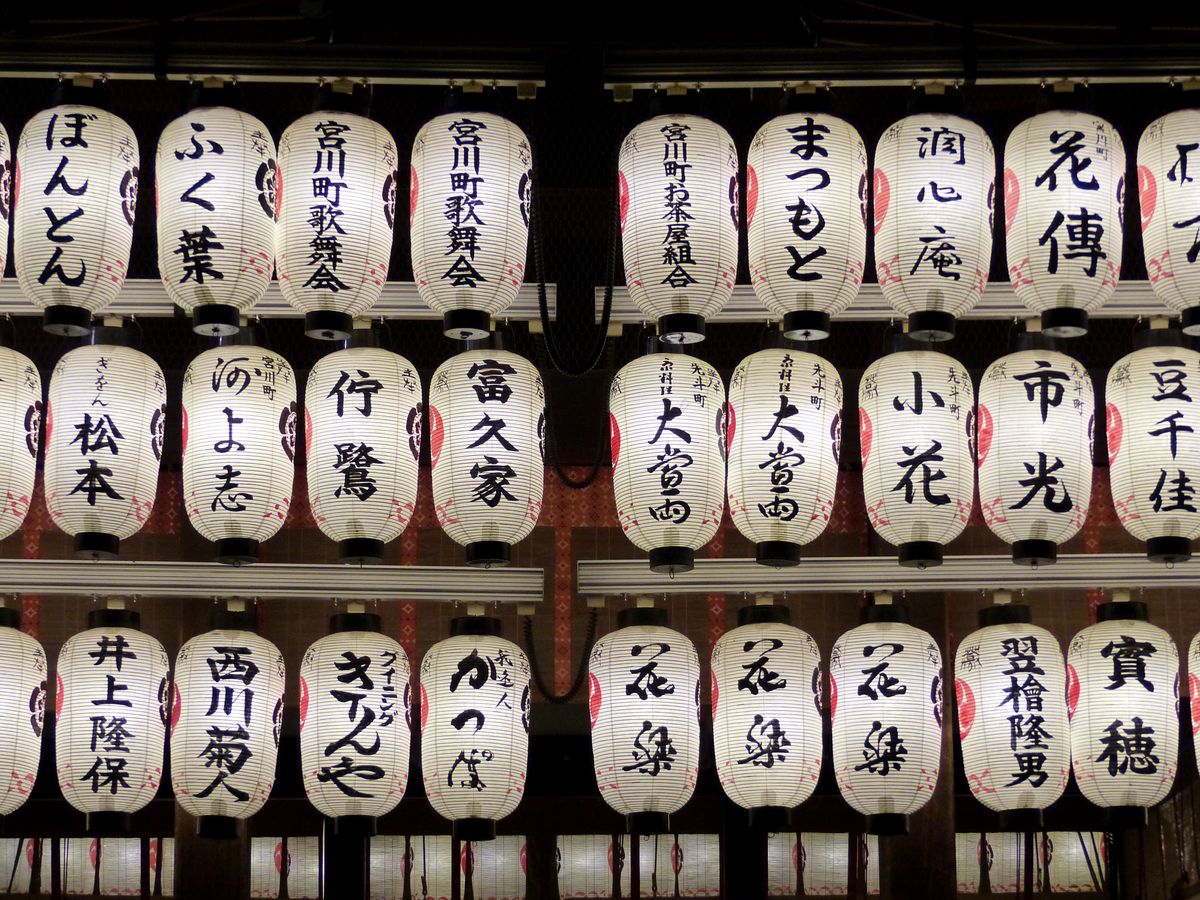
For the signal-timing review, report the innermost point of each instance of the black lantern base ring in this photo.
(806, 325)
(1021, 820)
(648, 823)
(681, 328)
(466, 324)
(672, 560)
(1189, 319)
(104, 824)
(360, 551)
(1064, 322)
(355, 826)
(474, 829)
(327, 325)
(97, 545)
(770, 818)
(219, 828)
(236, 551)
(1034, 553)
(919, 554)
(1119, 818)
(887, 824)
(486, 554)
(1169, 549)
(777, 554)
(931, 325)
(216, 320)
(66, 321)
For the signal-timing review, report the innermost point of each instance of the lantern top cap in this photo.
(226, 619)
(764, 614)
(114, 618)
(643, 616)
(355, 621)
(1013, 614)
(1119, 610)
(475, 626)
(884, 611)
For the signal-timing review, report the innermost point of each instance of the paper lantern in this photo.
(935, 200)
(336, 213)
(677, 177)
(495, 869)
(362, 437)
(78, 168)
(474, 726)
(354, 731)
(239, 443)
(1153, 444)
(21, 409)
(1075, 861)
(470, 195)
(487, 428)
(886, 682)
(111, 719)
(644, 701)
(806, 209)
(592, 865)
(104, 437)
(766, 701)
(785, 440)
(666, 414)
(216, 184)
(1034, 451)
(914, 421)
(1064, 186)
(278, 861)
(6, 193)
(1010, 688)
(225, 720)
(23, 705)
(424, 866)
(1123, 698)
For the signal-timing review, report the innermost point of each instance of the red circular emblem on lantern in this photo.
(832, 697)
(614, 438)
(984, 431)
(1012, 199)
(714, 690)
(883, 195)
(413, 191)
(864, 433)
(437, 435)
(307, 431)
(424, 707)
(623, 194)
(593, 698)
(1147, 194)
(1072, 690)
(730, 424)
(58, 697)
(751, 194)
(1115, 430)
(965, 700)
(176, 706)
(1194, 691)
(303, 701)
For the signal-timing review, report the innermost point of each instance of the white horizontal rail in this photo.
(855, 574)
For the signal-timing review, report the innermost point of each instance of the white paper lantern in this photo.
(914, 422)
(111, 719)
(225, 720)
(336, 213)
(104, 437)
(935, 200)
(820, 862)
(886, 682)
(644, 702)
(487, 428)
(677, 176)
(295, 861)
(470, 195)
(475, 707)
(1075, 861)
(1123, 698)
(666, 414)
(216, 184)
(23, 707)
(21, 409)
(590, 865)
(239, 446)
(6, 193)
(362, 438)
(422, 862)
(1153, 445)
(766, 702)
(497, 868)
(1064, 186)
(1034, 451)
(354, 723)
(680, 865)
(785, 440)
(1010, 688)
(806, 208)
(77, 168)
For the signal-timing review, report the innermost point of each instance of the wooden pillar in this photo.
(205, 867)
(344, 864)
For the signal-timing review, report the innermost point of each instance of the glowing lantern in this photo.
(21, 409)
(23, 700)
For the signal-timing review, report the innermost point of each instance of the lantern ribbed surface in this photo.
(935, 198)
(886, 702)
(354, 727)
(1154, 442)
(806, 205)
(487, 419)
(23, 700)
(586, 862)
(470, 192)
(77, 170)
(644, 703)
(104, 436)
(666, 416)
(21, 410)
(225, 721)
(1122, 695)
(1169, 200)
(766, 691)
(362, 434)
(914, 415)
(1064, 184)
(677, 177)
(1034, 447)
(785, 440)
(7, 181)
(336, 213)
(111, 719)
(1010, 691)
(474, 726)
(216, 181)
(239, 442)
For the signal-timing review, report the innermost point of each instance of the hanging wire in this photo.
(580, 672)
(556, 464)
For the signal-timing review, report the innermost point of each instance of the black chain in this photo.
(535, 669)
